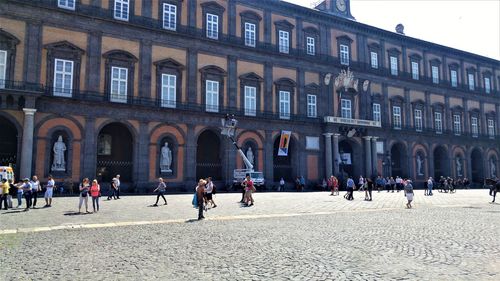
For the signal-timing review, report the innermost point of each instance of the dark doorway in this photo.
(440, 163)
(399, 160)
(8, 143)
(346, 164)
(477, 166)
(208, 160)
(282, 165)
(115, 153)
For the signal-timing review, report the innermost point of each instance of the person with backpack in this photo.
(162, 188)
(95, 192)
(209, 191)
(84, 195)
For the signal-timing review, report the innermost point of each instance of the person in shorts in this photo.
(408, 188)
(49, 192)
(209, 188)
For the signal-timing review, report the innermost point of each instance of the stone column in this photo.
(368, 157)
(27, 142)
(374, 157)
(89, 148)
(142, 168)
(336, 154)
(190, 157)
(328, 154)
(268, 158)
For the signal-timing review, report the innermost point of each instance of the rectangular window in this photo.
(344, 54)
(376, 112)
(284, 41)
(284, 105)
(168, 90)
(438, 122)
(394, 66)
(212, 96)
(66, 4)
(169, 16)
(471, 81)
(3, 68)
(250, 30)
(457, 126)
(454, 78)
(474, 127)
(311, 46)
(396, 117)
(374, 59)
(63, 78)
(487, 85)
(119, 78)
(250, 101)
(435, 74)
(212, 26)
(418, 120)
(491, 128)
(121, 9)
(311, 106)
(414, 70)
(345, 109)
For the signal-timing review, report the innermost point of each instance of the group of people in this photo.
(203, 196)
(29, 189)
(93, 189)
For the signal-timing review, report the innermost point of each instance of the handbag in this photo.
(195, 200)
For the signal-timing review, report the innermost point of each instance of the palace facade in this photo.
(118, 79)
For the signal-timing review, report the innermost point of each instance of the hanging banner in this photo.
(284, 142)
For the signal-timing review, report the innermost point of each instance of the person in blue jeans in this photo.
(162, 188)
(19, 187)
(430, 185)
(350, 189)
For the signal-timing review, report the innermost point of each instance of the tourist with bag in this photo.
(95, 192)
(84, 195)
(162, 188)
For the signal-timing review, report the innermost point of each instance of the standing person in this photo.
(209, 192)
(162, 188)
(369, 187)
(430, 185)
(392, 183)
(249, 188)
(329, 184)
(49, 192)
(335, 183)
(84, 195)
(409, 193)
(95, 192)
(35, 188)
(302, 183)
(399, 183)
(12, 192)
(26, 186)
(117, 183)
(4, 192)
(361, 183)
(20, 191)
(282, 185)
(350, 189)
(200, 191)
(113, 189)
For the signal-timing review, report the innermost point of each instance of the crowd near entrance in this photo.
(8, 143)
(115, 153)
(208, 156)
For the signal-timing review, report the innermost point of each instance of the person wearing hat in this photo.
(4, 192)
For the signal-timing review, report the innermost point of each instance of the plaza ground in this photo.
(285, 236)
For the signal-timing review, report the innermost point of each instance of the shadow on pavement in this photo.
(72, 213)
(14, 212)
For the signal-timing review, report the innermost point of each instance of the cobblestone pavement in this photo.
(285, 236)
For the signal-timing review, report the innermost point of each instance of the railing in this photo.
(21, 86)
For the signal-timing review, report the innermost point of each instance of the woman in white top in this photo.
(35, 188)
(48, 193)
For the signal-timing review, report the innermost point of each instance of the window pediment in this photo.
(415, 57)
(251, 15)
(374, 46)
(312, 87)
(311, 30)
(213, 70)
(418, 104)
(398, 100)
(169, 63)
(438, 106)
(252, 76)
(284, 24)
(8, 39)
(64, 46)
(213, 6)
(285, 82)
(471, 69)
(457, 109)
(121, 56)
(344, 39)
(394, 52)
(435, 62)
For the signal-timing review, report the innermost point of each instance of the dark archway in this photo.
(477, 166)
(208, 158)
(399, 160)
(282, 165)
(8, 143)
(440, 162)
(346, 163)
(115, 153)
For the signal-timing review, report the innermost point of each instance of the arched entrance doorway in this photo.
(477, 166)
(399, 160)
(282, 165)
(8, 143)
(208, 158)
(440, 162)
(346, 163)
(115, 153)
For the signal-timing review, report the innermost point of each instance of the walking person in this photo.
(282, 185)
(302, 183)
(19, 193)
(249, 189)
(84, 195)
(12, 192)
(116, 179)
(162, 188)
(35, 188)
(361, 183)
(430, 185)
(4, 192)
(399, 183)
(200, 191)
(95, 192)
(350, 189)
(369, 189)
(209, 190)
(409, 193)
(49, 192)
(113, 189)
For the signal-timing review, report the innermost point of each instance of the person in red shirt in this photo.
(95, 192)
(249, 189)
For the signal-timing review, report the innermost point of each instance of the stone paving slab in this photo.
(135, 209)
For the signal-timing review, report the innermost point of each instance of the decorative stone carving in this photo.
(458, 163)
(165, 159)
(59, 164)
(346, 80)
(493, 168)
(420, 164)
(250, 155)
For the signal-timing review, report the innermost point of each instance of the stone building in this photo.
(117, 79)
